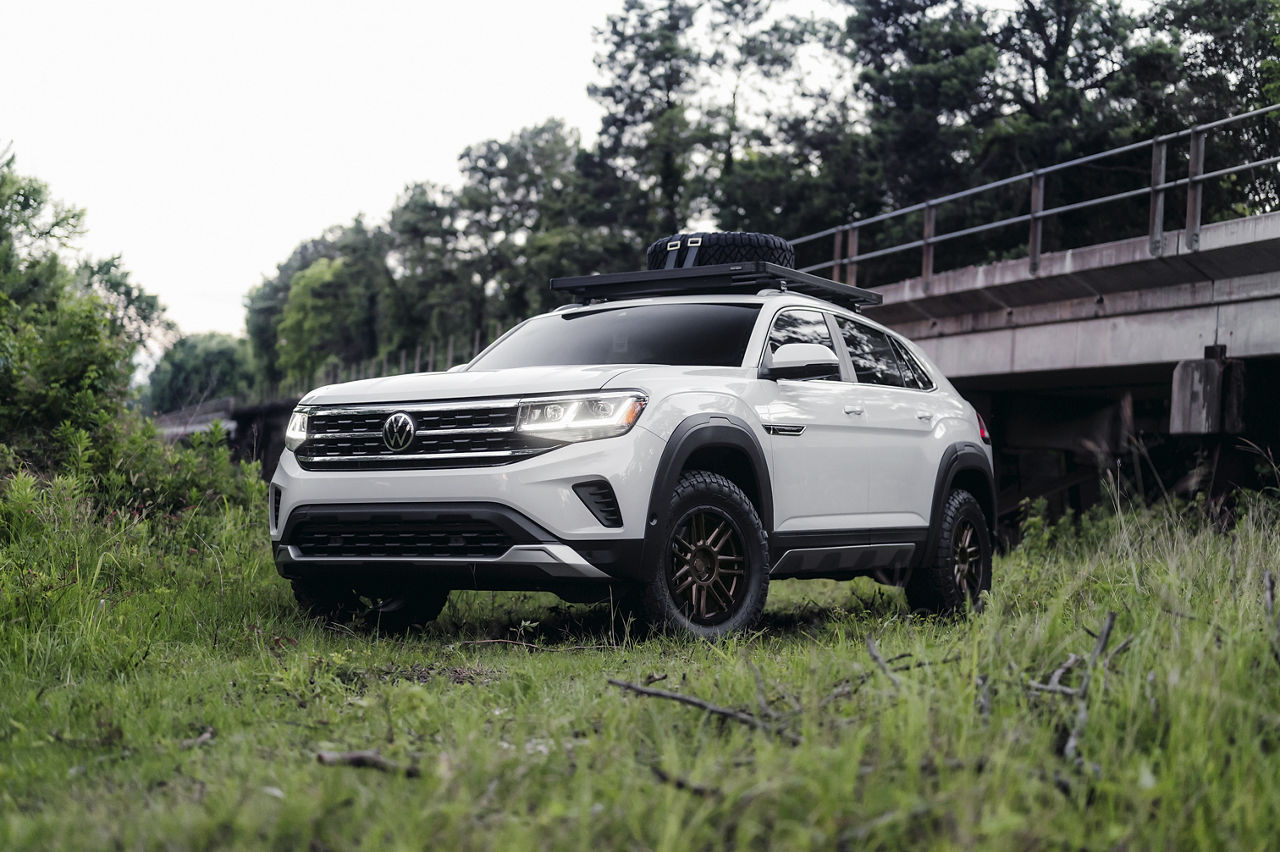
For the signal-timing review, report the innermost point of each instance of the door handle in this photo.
(853, 409)
(924, 415)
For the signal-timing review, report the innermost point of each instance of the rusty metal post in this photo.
(838, 255)
(926, 259)
(1155, 220)
(1195, 189)
(851, 267)
(1037, 229)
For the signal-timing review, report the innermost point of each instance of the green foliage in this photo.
(741, 112)
(60, 364)
(159, 689)
(199, 367)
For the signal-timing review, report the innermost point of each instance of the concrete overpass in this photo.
(1103, 306)
(1147, 354)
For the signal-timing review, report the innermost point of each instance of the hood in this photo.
(428, 387)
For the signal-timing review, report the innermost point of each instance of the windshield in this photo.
(686, 334)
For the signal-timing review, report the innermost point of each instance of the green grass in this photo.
(122, 641)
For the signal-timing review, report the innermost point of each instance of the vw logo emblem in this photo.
(397, 432)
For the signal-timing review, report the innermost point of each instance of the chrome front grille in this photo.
(470, 434)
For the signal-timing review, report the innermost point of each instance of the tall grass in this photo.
(158, 689)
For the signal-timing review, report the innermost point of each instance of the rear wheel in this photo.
(958, 571)
(711, 575)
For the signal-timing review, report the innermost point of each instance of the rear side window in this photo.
(913, 372)
(873, 356)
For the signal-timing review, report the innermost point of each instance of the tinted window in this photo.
(800, 327)
(873, 357)
(913, 372)
(684, 335)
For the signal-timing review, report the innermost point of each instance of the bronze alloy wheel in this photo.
(966, 552)
(957, 570)
(706, 572)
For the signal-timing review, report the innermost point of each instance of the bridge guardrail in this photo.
(846, 257)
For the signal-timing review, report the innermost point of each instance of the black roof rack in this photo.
(750, 276)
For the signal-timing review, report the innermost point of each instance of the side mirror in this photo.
(801, 361)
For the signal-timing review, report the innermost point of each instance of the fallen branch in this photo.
(686, 785)
(364, 760)
(1119, 649)
(760, 699)
(205, 736)
(884, 667)
(532, 647)
(1073, 660)
(714, 709)
(1055, 680)
(1072, 748)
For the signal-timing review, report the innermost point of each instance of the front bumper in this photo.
(552, 538)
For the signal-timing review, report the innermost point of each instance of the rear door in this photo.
(901, 413)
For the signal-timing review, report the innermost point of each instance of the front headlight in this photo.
(296, 432)
(581, 418)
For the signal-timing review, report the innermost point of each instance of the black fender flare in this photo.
(697, 432)
(956, 459)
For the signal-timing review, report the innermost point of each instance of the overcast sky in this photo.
(206, 140)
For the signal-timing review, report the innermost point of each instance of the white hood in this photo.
(426, 387)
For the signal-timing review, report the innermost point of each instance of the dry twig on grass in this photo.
(884, 667)
(532, 647)
(686, 785)
(714, 709)
(1071, 751)
(364, 759)
(205, 736)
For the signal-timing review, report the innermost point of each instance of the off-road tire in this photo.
(326, 599)
(958, 571)
(725, 247)
(710, 575)
(409, 610)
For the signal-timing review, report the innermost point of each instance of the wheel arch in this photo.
(717, 443)
(964, 465)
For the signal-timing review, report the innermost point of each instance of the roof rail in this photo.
(748, 277)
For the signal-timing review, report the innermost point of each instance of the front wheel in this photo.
(959, 570)
(711, 571)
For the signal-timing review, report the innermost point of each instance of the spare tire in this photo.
(725, 247)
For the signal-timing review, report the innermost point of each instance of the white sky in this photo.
(206, 140)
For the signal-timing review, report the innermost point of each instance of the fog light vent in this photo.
(599, 498)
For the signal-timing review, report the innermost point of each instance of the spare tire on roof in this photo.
(723, 247)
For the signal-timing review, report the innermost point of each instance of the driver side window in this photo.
(801, 326)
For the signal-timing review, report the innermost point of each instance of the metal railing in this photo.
(846, 257)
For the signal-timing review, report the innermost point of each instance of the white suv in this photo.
(676, 443)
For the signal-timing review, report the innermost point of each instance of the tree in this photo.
(64, 351)
(650, 69)
(264, 305)
(1225, 58)
(33, 228)
(133, 312)
(199, 367)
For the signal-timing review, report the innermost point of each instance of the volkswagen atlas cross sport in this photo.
(676, 440)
